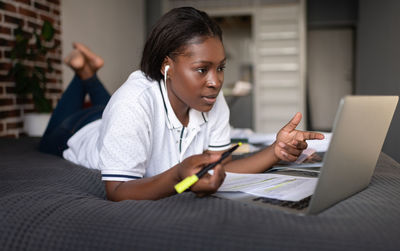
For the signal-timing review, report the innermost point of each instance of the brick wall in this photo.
(31, 14)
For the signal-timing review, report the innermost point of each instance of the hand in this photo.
(207, 184)
(291, 142)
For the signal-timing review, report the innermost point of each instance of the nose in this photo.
(215, 79)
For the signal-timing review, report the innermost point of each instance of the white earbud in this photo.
(165, 75)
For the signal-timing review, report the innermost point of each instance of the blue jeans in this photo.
(70, 116)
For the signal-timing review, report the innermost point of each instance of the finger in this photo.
(288, 157)
(200, 194)
(213, 158)
(299, 144)
(205, 159)
(201, 186)
(293, 123)
(290, 150)
(209, 184)
(219, 175)
(311, 135)
(216, 179)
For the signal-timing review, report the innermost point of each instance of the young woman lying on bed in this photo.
(167, 121)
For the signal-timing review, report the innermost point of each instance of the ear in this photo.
(166, 64)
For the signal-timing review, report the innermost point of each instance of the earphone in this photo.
(165, 75)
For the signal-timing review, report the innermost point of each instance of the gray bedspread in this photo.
(47, 203)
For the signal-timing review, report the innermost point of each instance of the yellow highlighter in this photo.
(189, 181)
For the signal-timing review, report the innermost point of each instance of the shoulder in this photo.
(136, 90)
(136, 85)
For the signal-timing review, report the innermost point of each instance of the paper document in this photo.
(275, 186)
(321, 145)
(252, 137)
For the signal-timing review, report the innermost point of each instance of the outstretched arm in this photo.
(288, 146)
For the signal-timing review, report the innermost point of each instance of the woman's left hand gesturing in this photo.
(291, 142)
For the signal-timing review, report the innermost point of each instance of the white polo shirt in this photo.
(139, 134)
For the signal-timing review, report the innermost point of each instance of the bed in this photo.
(47, 203)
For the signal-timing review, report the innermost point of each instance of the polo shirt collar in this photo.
(196, 118)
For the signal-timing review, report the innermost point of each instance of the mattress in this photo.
(48, 203)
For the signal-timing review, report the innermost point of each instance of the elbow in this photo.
(112, 191)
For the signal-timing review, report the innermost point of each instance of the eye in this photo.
(201, 70)
(221, 68)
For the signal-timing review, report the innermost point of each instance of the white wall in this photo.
(114, 29)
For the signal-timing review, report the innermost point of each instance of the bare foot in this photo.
(78, 63)
(75, 60)
(95, 62)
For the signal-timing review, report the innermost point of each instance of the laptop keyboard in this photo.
(296, 173)
(298, 205)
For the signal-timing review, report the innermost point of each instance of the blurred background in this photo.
(283, 56)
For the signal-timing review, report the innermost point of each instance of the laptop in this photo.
(359, 130)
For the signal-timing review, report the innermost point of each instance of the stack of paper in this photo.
(275, 186)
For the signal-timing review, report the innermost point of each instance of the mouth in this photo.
(210, 99)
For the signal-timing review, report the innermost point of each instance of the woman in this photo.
(170, 119)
